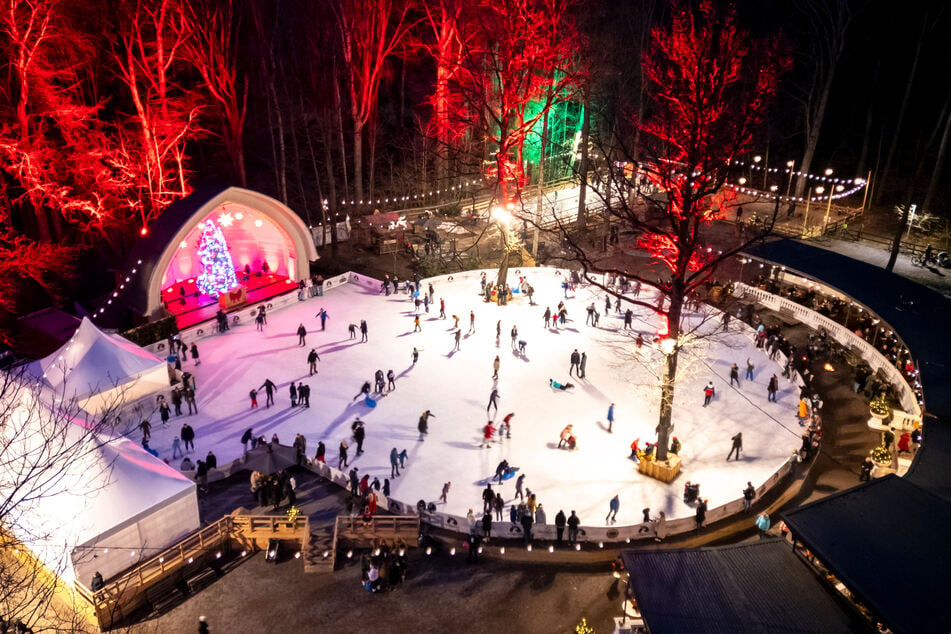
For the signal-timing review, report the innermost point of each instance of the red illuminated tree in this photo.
(150, 56)
(443, 18)
(213, 49)
(514, 53)
(370, 32)
(709, 86)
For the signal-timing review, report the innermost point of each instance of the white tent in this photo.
(103, 505)
(101, 371)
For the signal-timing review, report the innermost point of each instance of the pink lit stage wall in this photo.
(252, 238)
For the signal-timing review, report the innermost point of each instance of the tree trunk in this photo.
(332, 202)
(357, 152)
(669, 379)
(338, 110)
(938, 165)
(901, 119)
(583, 185)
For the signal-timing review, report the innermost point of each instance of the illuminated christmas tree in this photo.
(218, 276)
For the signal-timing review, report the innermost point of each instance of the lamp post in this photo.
(790, 165)
(756, 161)
(805, 215)
(832, 190)
(503, 218)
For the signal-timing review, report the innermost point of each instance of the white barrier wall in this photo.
(840, 333)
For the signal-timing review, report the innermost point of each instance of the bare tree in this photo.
(710, 87)
(49, 453)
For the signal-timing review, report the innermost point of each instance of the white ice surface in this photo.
(456, 388)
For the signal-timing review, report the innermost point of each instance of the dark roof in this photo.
(887, 542)
(150, 247)
(755, 587)
(918, 314)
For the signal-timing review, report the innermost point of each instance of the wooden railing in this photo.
(128, 592)
(382, 527)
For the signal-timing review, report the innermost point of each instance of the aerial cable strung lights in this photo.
(843, 187)
(417, 196)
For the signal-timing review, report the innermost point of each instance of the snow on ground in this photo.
(456, 387)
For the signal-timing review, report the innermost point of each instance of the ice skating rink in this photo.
(456, 387)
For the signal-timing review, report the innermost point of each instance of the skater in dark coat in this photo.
(359, 434)
(501, 470)
(364, 391)
(575, 361)
(735, 375)
(194, 350)
(293, 394)
(312, 359)
(424, 423)
(269, 387)
(321, 451)
(394, 463)
(390, 381)
(493, 401)
(301, 336)
(737, 446)
(772, 388)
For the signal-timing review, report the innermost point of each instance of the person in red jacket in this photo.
(487, 432)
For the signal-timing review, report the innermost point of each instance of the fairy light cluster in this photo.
(218, 275)
(837, 187)
(420, 196)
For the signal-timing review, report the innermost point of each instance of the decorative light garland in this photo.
(841, 187)
(420, 196)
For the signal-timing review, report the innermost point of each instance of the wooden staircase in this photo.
(320, 552)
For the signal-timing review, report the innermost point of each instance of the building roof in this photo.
(753, 587)
(887, 542)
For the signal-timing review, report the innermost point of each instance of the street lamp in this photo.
(832, 190)
(790, 165)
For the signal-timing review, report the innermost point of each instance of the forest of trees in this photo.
(110, 111)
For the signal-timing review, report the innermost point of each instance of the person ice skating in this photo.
(188, 437)
(176, 448)
(442, 308)
(519, 483)
(364, 391)
(495, 367)
(301, 336)
(423, 425)
(471, 322)
(589, 321)
(772, 388)
(254, 398)
(514, 335)
(324, 316)
(499, 506)
(303, 394)
(582, 371)
(493, 401)
(415, 356)
(748, 494)
(547, 316)
(488, 498)
(146, 428)
(560, 386)
(380, 380)
(363, 331)
(737, 446)
(564, 436)
(749, 369)
(359, 435)
(611, 418)
(293, 392)
(613, 507)
(352, 329)
(342, 456)
(321, 454)
(416, 326)
(445, 491)
(708, 393)
(487, 432)
(403, 456)
(635, 449)
(394, 463)
(390, 380)
(573, 523)
(507, 425)
(674, 446)
(628, 319)
(501, 470)
(312, 359)
(164, 412)
(734, 375)
(458, 337)
(575, 361)
(522, 344)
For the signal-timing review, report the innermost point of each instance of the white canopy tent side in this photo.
(104, 504)
(101, 371)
